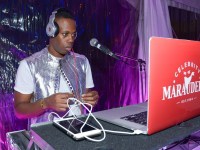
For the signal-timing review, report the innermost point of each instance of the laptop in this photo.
(173, 88)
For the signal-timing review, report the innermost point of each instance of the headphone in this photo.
(52, 28)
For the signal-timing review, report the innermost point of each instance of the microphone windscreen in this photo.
(93, 42)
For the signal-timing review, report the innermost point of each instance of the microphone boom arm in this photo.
(141, 62)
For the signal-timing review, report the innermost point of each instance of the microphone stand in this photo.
(141, 62)
(142, 65)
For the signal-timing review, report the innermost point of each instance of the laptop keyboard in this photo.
(140, 118)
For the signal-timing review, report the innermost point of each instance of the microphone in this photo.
(95, 43)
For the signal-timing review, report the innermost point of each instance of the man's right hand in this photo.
(58, 101)
(24, 108)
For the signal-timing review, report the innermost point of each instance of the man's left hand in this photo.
(91, 97)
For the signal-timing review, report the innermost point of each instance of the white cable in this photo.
(90, 114)
(75, 117)
(70, 109)
(52, 113)
(128, 133)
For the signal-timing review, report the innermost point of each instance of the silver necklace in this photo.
(66, 79)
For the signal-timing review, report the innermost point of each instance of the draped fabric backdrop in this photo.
(124, 26)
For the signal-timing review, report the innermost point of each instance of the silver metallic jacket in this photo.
(46, 76)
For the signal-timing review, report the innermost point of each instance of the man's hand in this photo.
(58, 101)
(91, 97)
(25, 109)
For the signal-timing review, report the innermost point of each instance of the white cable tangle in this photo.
(77, 102)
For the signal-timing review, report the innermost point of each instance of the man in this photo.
(45, 80)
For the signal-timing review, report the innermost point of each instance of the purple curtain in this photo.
(123, 85)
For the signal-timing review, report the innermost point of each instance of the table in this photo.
(47, 136)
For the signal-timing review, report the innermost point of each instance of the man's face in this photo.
(63, 42)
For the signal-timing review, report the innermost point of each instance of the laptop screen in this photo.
(174, 82)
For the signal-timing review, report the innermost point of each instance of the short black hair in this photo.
(64, 13)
